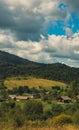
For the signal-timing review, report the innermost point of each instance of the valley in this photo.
(35, 95)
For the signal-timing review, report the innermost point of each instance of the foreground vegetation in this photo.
(44, 111)
(65, 127)
(31, 116)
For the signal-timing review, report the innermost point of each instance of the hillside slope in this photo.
(11, 65)
(12, 59)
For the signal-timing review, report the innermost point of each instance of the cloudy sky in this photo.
(45, 31)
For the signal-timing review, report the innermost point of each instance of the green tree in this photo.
(76, 117)
(74, 87)
(57, 109)
(3, 91)
(33, 109)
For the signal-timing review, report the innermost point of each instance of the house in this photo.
(77, 96)
(15, 97)
(64, 99)
(29, 96)
(21, 98)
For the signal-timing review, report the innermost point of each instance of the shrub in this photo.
(33, 109)
(62, 120)
(47, 114)
(76, 117)
(57, 109)
(70, 108)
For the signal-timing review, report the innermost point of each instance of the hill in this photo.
(11, 65)
(5, 57)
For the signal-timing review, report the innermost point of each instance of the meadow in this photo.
(31, 82)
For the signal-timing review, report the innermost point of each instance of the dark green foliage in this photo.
(3, 92)
(34, 91)
(56, 88)
(5, 107)
(20, 90)
(10, 58)
(11, 65)
(76, 117)
(57, 109)
(62, 119)
(70, 108)
(75, 87)
(47, 114)
(18, 118)
(33, 110)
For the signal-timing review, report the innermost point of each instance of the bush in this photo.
(47, 114)
(76, 117)
(18, 121)
(57, 109)
(62, 120)
(70, 108)
(33, 110)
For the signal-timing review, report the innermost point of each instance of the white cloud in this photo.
(68, 31)
(23, 29)
(73, 4)
(28, 19)
(47, 51)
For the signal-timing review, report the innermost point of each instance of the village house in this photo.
(17, 98)
(64, 99)
(12, 97)
(77, 96)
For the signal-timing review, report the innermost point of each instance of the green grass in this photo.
(31, 82)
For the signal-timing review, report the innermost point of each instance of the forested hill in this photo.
(5, 57)
(11, 65)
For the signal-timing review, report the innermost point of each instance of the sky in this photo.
(45, 31)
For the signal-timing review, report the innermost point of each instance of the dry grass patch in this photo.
(31, 82)
(48, 128)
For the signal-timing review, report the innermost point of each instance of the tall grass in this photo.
(10, 126)
(47, 128)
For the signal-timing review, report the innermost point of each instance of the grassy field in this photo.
(38, 128)
(51, 128)
(31, 82)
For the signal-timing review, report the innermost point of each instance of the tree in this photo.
(33, 109)
(76, 117)
(3, 91)
(57, 109)
(74, 87)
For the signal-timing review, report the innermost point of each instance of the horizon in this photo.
(41, 31)
(38, 62)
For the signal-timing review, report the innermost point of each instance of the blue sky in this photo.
(45, 31)
(56, 29)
